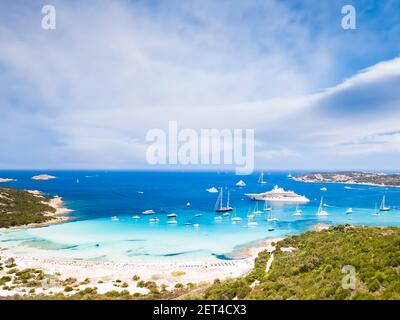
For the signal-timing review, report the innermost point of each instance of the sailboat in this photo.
(218, 204)
(321, 211)
(289, 175)
(256, 210)
(266, 207)
(298, 211)
(383, 206)
(234, 218)
(271, 218)
(376, 211)
(261, 178)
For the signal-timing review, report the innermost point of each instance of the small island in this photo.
(29, 208)
(43, 177)
(6, 180)
(353, 177)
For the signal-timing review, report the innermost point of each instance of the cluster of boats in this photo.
(276, 195)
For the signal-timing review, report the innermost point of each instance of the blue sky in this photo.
(85, 94)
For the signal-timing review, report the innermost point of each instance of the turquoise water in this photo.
(100, 195)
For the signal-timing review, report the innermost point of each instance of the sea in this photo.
(102, 227)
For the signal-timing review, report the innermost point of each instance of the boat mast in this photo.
(227, 202)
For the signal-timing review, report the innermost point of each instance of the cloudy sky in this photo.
(85, 95)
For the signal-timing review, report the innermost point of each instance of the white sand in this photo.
(161, 273)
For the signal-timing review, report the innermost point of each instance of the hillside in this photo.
(19, 207)
(314, 269)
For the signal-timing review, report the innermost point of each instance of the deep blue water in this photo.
(99, 195)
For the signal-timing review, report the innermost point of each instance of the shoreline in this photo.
(347, 183)
(58, 216)
(104, 275)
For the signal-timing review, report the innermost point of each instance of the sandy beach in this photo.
(107, 276)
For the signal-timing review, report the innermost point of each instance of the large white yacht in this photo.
(278, 195)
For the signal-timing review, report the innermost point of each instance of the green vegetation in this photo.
(19, 207)
(314, 269)
(178, 273)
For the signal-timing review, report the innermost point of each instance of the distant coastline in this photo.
(352, 177)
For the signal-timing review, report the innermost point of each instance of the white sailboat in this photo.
(256, 210)
(135, 217)
(261, 178)
(172, 221)
(321, 211)
(218, 204)
(153, 220)
(271, 217)
(267, 207)
(235, 218)
(298, 211)
(289, 175)
(188, 204)
(376, 211)
(172, 215)
(383, 205)
(349, 211)
(114, 218)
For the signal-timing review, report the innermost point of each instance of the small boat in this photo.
(271, 217)
(289, 175)
(188, 204)
(136, 217)
(266, 207)
(150, 211)
(250, 216)
(212, 190)
(198, 215)
(77, 180)
(218, 204)
(240, 184)
(172, 222)
(271, 229)
(172, 215)
(348, 188)
(252, 223)
(298, 211)
(349, 211)
(140, 192)
(196, 225)
(383, 205)
(188, 223)
(321, 211)
(226, 214)
(235, 219)
(324, 189)
(154, 219)
(114, 218)
(218, 218)
(376, 211)
(256, 211)
(261, 178)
